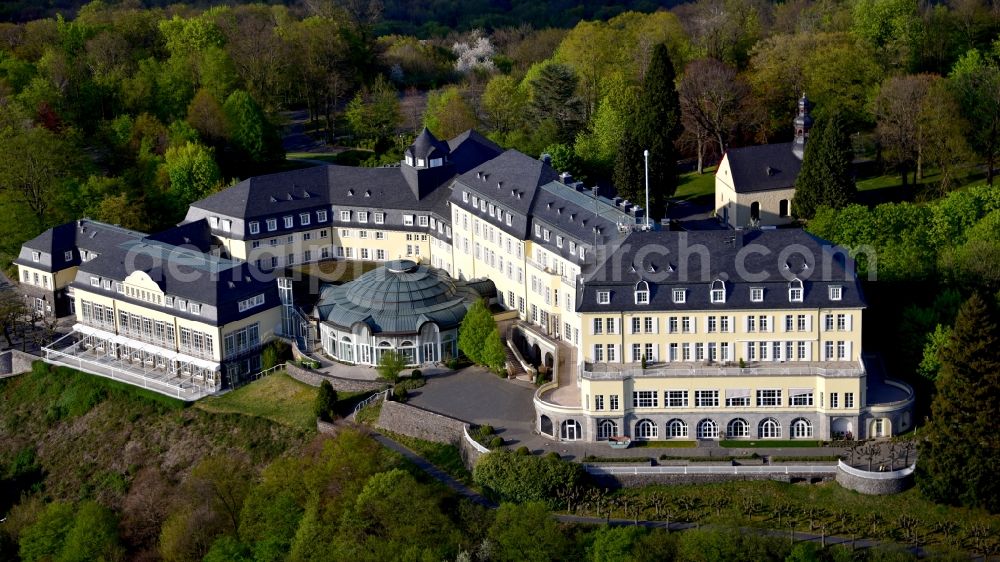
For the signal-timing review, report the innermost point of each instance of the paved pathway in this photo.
(435, 472)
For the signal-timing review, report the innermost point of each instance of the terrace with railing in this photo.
(620, 371)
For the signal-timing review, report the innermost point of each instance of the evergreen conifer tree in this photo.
(961, 449)
(326, 400)
(826, 178)
(656, 125)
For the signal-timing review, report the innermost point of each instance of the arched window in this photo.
(783, 208)
(646, 429)
(708, 429)
(346, 350)
(738, 428)
(769, 429)
(676, 428)
(795, 290)
(606, 429)
(718, 291)
(570, 430)
(755, 211)
(642, 293)
(545, 425)
(409, 352)
(801, 428)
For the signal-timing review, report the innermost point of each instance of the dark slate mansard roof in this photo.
(655, 257)
(392, 187)
(84, 234)
(178, 262)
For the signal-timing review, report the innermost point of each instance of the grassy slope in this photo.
(277, 397)
(92, 436)
(693, 185)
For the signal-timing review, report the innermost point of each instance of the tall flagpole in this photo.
(645, 154)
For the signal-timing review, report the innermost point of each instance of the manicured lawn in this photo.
(277, 397)
(693, 185)
(351, 157)
(769, 443)
(961, 177)
(665, 444)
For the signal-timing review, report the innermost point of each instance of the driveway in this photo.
(479, 397)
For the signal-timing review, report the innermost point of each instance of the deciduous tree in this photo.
(448, 113)
(976, 82)
(712, 98)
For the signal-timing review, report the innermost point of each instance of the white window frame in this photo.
(756, 294)
(254, 227)
(603, 297)
(679, 296)
(836, 292)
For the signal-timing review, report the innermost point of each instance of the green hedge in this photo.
(666, 444)
(770, 443)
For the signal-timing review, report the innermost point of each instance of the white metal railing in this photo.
(771, 470)
(682, 371)
(265, 372)
(891, 475)
(377, 397)
(180, 391)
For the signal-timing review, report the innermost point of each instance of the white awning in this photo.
(86, 330)
(737, 393)
(799, 391)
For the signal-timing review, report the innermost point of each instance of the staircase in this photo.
(514, 368)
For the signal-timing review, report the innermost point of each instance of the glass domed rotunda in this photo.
(412, 308)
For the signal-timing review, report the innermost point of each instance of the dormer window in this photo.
(363, 216)
(213, 221)
(756, 294)
(379, 218)
(272, 225)
(582, 256)
(409, 160)
(718, 295)
(679, 296)
(289, 222)
(835, 292)
(345, 216)
(36, 256)
(559, 241)
(642, 293)
(465, 196)
(304, 219)
(227, 225)
(421, 162)
(603, 297)
(795, 290)
(321, 215)
(68, 256)
(254, 227)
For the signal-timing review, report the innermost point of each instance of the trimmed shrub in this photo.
(416, 374)
(399, 393)
(507, 476)
(522, 451)
(496, 442)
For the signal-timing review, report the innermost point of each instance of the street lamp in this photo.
(645, 154)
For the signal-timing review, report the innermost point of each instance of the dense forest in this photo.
(126, 112)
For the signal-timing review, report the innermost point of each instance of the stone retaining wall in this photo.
(429, 426)
(314, 378)
(874, 483)
(14, 362)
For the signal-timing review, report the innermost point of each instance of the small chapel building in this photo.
(755, 185)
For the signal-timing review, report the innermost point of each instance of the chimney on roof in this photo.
(566, 178)
(546, 159)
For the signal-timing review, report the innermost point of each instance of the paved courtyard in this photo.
(480, 397)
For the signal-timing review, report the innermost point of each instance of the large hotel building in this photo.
(647, 333)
